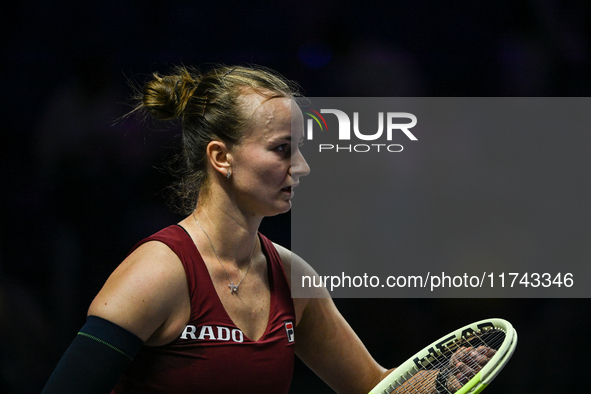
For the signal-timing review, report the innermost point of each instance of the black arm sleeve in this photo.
(95, 360)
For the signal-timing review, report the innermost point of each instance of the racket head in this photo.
(496, 333)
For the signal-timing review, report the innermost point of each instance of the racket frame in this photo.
(475, 385)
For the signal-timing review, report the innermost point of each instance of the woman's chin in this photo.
(281, 208)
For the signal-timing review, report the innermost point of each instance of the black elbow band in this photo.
(95, 360)
(111, 335)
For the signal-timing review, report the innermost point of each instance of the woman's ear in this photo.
(220, 157)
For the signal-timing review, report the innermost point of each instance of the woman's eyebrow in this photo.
(286, 137)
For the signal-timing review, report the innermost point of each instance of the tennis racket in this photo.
(463, 362)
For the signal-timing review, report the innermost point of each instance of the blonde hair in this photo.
(209, 106)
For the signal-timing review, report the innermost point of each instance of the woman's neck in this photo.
(231, 235)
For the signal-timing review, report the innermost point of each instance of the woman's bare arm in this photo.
(327, 343)
(147, 295)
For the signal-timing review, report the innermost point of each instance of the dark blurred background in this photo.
(79, 187)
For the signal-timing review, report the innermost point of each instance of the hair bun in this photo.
(165, 97)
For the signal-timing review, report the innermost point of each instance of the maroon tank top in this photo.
(212, 355)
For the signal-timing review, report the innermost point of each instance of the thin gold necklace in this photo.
(232, 286)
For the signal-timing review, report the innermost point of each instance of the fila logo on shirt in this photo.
(289, 331)
(213, 333)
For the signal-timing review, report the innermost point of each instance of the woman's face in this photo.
(267, 163)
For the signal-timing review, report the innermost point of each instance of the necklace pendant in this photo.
(233, 288)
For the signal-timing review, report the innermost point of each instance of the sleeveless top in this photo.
(212, 355)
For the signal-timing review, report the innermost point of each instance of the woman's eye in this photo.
(282, 148)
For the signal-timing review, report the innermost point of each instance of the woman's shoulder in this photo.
(296, 267)
(175, 237)
(285, 256)
(143, 291)
(293, 263)
(290, 260)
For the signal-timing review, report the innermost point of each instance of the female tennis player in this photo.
(205, 305)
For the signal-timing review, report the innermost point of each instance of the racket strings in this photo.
(438, 366)
(456, 369)
(417, 384)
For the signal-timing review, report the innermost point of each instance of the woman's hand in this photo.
(465, 364)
